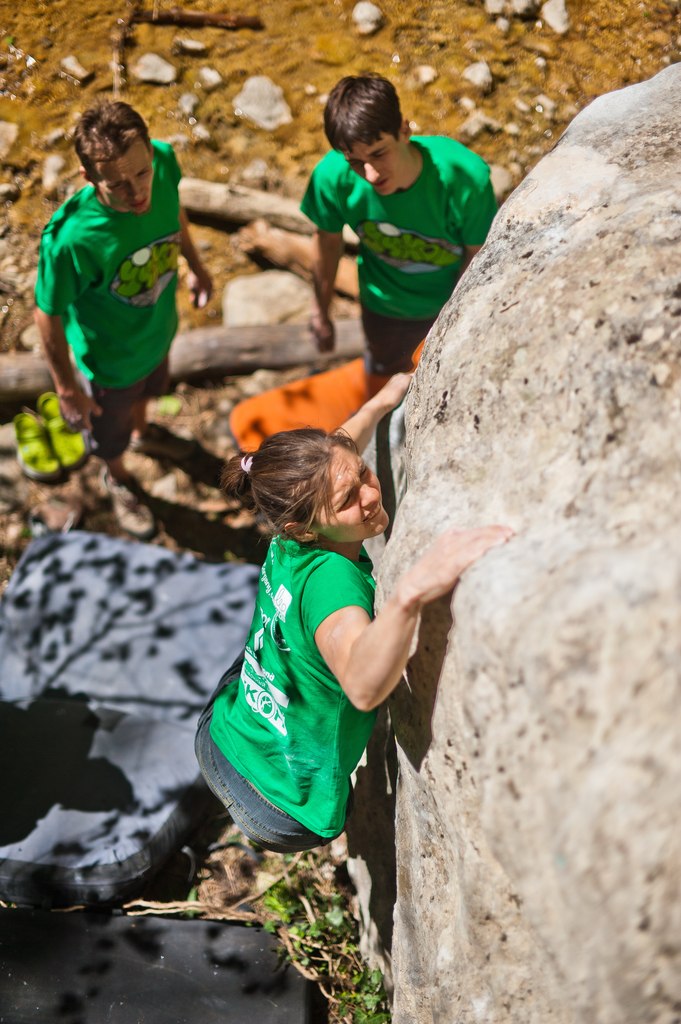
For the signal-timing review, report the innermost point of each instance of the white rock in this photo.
(525, 8)
(191, 47)
(262, 102)
(367, 17)
(154, 69)
(467, 103)
(425, 74)
(272, 297)
(555, 14)
(53, 165)
(209, 78)
(543, 104)
(503, 24)
(8, 136)
(187, 103)
(201, 134)
(256, 173)
(30, 338)
(477, 123)
(480, 76)
(9, 192)
(495, 7)
(72, 67)
(502, 181)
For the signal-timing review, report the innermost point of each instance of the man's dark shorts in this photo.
(391, 341)
(112, 429)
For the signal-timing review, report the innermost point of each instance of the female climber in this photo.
(290, 719)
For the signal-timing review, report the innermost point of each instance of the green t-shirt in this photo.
(287, 726)
(411, 242)
(112, 278)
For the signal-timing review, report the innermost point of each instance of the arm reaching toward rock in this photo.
(361, 426)
(368, 657)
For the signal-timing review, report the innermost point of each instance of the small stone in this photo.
(555, 14)
(9, 192)
(479, 76)
(72, 68)
(545, 105)
(178, 141)
(191, 47)
(209, 79)
(262, 102)
(425, 74)
(502, 181)
(201, 134)
(165, 488)
(467, 103)
(495, 7)
(53, 137)
(525, 8)
(503, 24)
(52, 168)
(154, 69)
(477, 123)
(522, 106)
(367, 18)
(30, 338)
(309, 89)
(187, 103)
(8, 136)
(256, 173)
(512, 129)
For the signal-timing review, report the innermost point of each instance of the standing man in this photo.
(107, 277)
(421, 206)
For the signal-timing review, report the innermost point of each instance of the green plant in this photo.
(309, 912)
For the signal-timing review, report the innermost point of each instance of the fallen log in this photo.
(237, 204)
(197, 19)
(294, 252)
(203, 353)
(226, 351)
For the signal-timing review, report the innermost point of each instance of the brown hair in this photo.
(360, 109)
(287, 480)
(105, 132)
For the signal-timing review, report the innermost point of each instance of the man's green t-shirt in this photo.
(287, 725)
(112, 277)
(411, 242)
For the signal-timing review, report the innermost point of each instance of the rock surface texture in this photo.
(539, 747)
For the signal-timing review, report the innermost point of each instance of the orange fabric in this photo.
(323, 400)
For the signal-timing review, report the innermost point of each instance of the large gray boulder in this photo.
(538, 735)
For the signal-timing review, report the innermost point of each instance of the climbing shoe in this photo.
(34, 450)
(129, 512)
(71, 447)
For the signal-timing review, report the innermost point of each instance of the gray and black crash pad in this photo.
(109, 650)
(92, 968)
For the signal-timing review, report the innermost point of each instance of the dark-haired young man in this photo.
(107, 277)
(421, 206)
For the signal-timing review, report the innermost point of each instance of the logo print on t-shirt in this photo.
(145, 274)
(262, 696)
(407, 250)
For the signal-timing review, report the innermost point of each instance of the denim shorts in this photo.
(257, 818)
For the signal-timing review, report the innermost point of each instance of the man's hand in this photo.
(201, 287)
(77, 408)
(323, 332)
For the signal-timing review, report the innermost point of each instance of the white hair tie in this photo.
(246, 463)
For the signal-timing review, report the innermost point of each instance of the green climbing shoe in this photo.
(70, 447)
(34, 451)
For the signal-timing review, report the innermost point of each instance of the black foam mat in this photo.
(90, 968)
